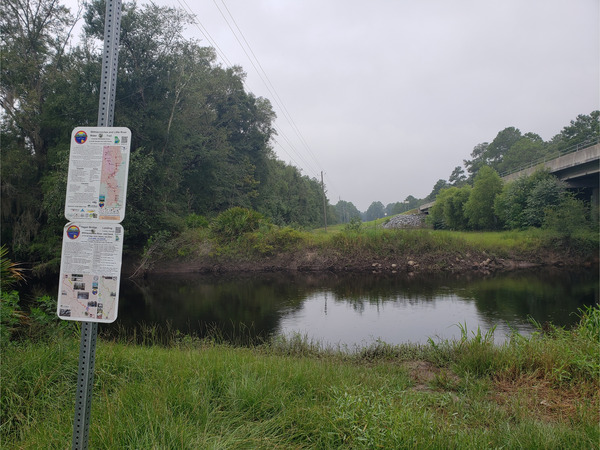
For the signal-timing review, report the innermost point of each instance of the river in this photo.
(353, 310)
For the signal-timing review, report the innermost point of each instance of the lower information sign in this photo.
(90, 269)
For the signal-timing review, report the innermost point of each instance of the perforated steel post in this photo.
(89, 330)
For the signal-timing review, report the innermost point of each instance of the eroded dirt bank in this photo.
(312, 260)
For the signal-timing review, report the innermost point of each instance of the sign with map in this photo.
(98, 169)
(90, 270)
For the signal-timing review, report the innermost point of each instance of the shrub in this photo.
(354, 226)
(479, 208)
(448, 210)
(236, 221)
(567, 217)
(196, 221)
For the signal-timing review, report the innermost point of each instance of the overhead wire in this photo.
(205, 32)
(264, 78)
(268, 84)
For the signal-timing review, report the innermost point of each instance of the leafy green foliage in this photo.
(347, 212)
(10, 272)
(517, 208)
(567, 217)
(233, 223)
(10, 315)
(448, 210)
(196, 221)
(354, 226)
(200, 141)
(546, 194)
(375, 211)
(439, 185)
(511, 150)
(479, 208)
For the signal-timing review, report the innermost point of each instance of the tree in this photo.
(478, 160)
(439, 185)
(375, 211)
(457, 177)
(569, 217)
(448, 210)
(346, 211)
(528, 149)
(546, 193)
(501, 144)
(411, 202)
(479, 208)
(35, 69)
(586, 127)
(514, 206)
(492, 154)
(35, 34)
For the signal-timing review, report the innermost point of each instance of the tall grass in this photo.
(533, 392)
(243, 236)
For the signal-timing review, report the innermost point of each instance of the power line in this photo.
(205, 32)
(268, 84)
(254, 61)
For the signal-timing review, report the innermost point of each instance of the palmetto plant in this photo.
(10, 272)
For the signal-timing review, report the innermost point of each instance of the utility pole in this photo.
(324, 202)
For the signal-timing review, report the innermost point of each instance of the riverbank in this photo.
(376, 250)
(537, 392)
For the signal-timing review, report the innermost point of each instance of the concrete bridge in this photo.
(578, 167)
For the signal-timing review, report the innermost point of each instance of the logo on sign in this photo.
(81, 137)
(73, 232)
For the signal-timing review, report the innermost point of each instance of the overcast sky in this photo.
(389, 96)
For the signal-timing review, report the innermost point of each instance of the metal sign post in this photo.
(89, 330)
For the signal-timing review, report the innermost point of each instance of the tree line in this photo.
(508, 152)
(201, 143)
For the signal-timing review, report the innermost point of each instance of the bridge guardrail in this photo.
(585, 144)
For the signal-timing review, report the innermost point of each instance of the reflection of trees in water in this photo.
(256, 303)
(545, 296)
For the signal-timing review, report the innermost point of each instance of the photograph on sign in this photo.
(90, 272)
(98, 170)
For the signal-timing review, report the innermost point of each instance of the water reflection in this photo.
(355, 309)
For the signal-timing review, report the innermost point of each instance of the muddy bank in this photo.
(313, 260)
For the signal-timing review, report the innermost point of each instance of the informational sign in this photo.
(98, 169)
(89, 272)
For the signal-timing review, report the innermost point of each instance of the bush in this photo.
(235, 222)
(354, 226)
(448, 210)
(196, 221)
(568, 217)
(523, 202)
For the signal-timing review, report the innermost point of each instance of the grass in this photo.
(532, 392)
(342, 247)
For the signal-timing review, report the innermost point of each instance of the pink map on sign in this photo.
(109, 179)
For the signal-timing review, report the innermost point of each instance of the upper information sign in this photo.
(98, 168)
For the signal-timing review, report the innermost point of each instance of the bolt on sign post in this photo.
(92, 247)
